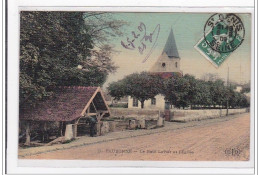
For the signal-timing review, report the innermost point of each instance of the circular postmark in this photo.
(224, 33)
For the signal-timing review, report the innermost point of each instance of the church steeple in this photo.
(168, 63)
(170, 47)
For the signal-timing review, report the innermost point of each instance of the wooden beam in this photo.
(102, 95)
(77, 120)
(92, 114)
(98, 117)
(91, 99)
(89, 102)
(94, 106)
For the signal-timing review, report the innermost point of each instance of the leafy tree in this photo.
(218, 92)
(103, 27)
(244, 101)
(117, 89)
(193, 89)
(237, 100)
(142, 86)
(179, 91)
(56, 49)
(246, 88)
(176, 91)
(209, 77)
(203, 96)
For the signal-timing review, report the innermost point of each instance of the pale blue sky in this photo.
(188, 30)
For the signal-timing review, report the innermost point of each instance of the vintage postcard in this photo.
(133, 89)
(134, 86)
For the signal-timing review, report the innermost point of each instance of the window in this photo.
(153, 101)
(163, 64)
(176, 64)
(135, 102)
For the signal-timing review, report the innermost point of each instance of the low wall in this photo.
(135, 113)
(207, 112)
(190, 115)
(152, 114)
(127, 111)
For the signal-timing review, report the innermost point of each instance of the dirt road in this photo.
(226, 140)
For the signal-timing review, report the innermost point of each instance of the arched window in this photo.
(163, 64)
(176, 64)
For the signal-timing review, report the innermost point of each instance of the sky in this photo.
(188, 30)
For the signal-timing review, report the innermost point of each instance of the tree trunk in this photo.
(227, 108)
(142, 104)
(28, 139)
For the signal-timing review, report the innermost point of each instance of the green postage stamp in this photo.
(223, 34)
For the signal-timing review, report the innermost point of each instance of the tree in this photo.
(203, 95)
(51, 45)
(179, 91)
(194, 90)
(176, 91)
(57, 49)
(209, 77)
(246, 88)
(218, 92)
(237, 100)
(117, 89)
(103, 27)
(142, 86)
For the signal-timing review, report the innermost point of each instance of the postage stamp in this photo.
(223, 33)
(134, 86)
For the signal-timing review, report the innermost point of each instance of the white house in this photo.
(167, 65)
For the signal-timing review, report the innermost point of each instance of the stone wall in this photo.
(134, 113)
(178, 115)
(190, 115)
(207, 112)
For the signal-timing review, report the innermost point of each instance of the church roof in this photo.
(170, 47)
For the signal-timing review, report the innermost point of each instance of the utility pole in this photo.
(228, 90)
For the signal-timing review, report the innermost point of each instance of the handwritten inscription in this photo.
(140, 40)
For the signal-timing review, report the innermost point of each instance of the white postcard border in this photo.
(29, 166)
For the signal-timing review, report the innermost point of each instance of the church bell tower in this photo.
(168, 63)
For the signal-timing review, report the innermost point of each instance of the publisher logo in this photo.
(233, 151)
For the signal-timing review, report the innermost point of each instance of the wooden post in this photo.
(28, 134)
(75, 129)
(45, 131)
(69, 132)
(61, 128)
(98, 127)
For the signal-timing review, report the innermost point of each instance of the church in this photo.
(167, 65)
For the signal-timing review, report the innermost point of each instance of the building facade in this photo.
(167, 65)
